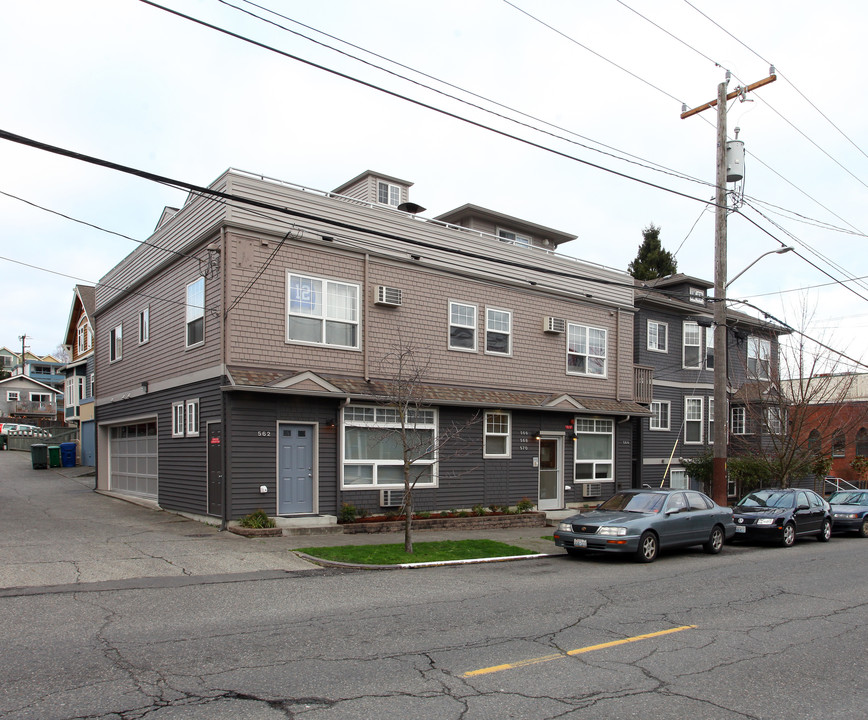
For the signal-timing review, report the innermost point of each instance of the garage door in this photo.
(133, 459)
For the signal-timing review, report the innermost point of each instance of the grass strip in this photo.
(393, 554)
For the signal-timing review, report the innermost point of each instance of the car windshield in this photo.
(635, 502)
(768, 498)
(849, 498)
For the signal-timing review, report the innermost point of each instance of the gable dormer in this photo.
(376, 188)
(505, 227)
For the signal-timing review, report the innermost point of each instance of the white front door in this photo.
(551, 481)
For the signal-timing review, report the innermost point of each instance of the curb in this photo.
(421, 565)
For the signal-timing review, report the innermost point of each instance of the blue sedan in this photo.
(850, 511)
(643, 522)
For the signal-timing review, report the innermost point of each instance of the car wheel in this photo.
(789, 535)
(715, 541)
(863, 528)
(648, 547)
(826, 532)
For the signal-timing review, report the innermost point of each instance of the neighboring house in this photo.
(28, 401)
(8, 360)
(244, 353)
(79, 372)
(675, 337)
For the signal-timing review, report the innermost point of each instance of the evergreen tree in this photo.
(652, 261)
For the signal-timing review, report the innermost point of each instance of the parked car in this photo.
(782, 515)
(850, 511)
(643, 522)
(6, 428)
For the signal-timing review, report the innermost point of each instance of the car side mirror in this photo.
(803, 507)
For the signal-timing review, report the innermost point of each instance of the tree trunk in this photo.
(408, 514)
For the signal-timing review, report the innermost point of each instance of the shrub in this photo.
(524, 505)
(494, 508)
(363, 513)
(424, 515)
(464, 513)
(257, 519)
(478, 510)
(347, 513)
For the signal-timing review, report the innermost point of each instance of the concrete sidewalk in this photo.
(56, 531)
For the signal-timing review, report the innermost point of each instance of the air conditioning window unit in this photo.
(389, 296)
(391, 498)
(592, 490)
(554, 325)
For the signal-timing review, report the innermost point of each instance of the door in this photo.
(215, 469)
(295, 474)
(550, 474)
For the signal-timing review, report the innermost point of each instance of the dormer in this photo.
(505, 227)
(376, 188)
(681, 287)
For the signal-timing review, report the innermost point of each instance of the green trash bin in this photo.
(54, 456)
(39, 456)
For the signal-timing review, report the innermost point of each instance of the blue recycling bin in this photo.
(67, 454)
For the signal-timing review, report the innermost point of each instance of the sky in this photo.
(570, 119)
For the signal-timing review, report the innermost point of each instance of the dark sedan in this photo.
(644, 521)
(850, 511)
(782, 515)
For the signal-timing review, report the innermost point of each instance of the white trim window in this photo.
(192, 427)
(692, 341)
(775, 420)
(388, 194)
(322, 312)
(116, 343)
(497, 439)
(697, 295)
(462, 326)
(658, 334)
(711, 421)
(178, 419)
(660, 413)
(586, 350)
(759, 353)
(692, 420)
(709, 348)
(738, 420)
(84, 336)
(196, 313)
(38, 397)
(594, 449)
(13, 396)
(514, 238)
(498, 332)
(144, 325)
(678, 479)
(374, 450)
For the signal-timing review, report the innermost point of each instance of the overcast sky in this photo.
(130, 83)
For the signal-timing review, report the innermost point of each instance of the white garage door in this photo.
(133, 459)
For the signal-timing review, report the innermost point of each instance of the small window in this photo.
(498, 332)
(462, 326)
(709, 348)
(13, 396)
(677, 479)
(775, 420)
(692, 420)
(192, 429)
(658, 335)
(84, 336)
(178, 419)
(697, 295)
(659, 419)
(838, 444)
(862, 443)
(196, 312)
(514, 238)
(497, 434)
(738, 422)
(36, 397)
(116, 343)
(144, 326)
(759, 351)
(692, 336)
(711, 421)
(388, 194)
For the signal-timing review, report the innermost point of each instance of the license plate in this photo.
(739, 528)
(580, 542)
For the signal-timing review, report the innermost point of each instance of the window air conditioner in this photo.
(554, 325)
(391, 498)
(389, 296)
(591, 490)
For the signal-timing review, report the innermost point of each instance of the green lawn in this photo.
(393, 554)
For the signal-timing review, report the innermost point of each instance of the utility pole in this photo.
(721, 396)
(22, 338)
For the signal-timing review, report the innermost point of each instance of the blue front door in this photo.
(295, 481)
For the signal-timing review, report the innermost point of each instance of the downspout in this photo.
(224, 429)
(618, 355)
(364, 339)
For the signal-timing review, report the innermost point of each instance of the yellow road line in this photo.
(579, 651)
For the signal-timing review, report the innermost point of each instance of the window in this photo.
(658, 333)
(586, 350)
(709, 348)
(462, 326)
(373, 448)
(388, 194)
(759, 353)
(36, 397)
(774, 418)
(497, 438)
(498, 331)
(693, 420)
(838, 444)
(659, 419)
(116, 343)
(862, 443)
(738, 423)
(178, 419)
(13, 396)
(594, 448)
(84, 337)
(74, 390)
(323, 312)
(196, 312)
(697, 295)
(514, 238)
(678, 479)
(692, 338)
(192, 428)
(91, 386)
(711, 421)
(814, 442)
(145, 326)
